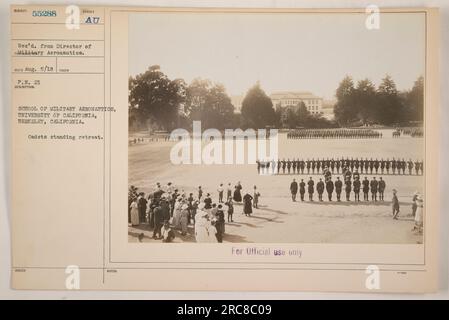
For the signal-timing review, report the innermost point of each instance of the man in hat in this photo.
(365, 189)
(320, 189)
(220, 223)
(395, 205)
(142, 206)
(374, 184)
(294, 189)
(338, 188)
(220, 193)
(381, 188)
(310, 188)
(302, 189)
(329, 188)
(356, 187)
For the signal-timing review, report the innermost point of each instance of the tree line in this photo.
(159, 103)
(364, 104)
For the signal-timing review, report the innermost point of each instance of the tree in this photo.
(154, 98)
(390, 107)
(345, 110)
(414, 102)
(365, 101)
(257, 108)
(209, 103)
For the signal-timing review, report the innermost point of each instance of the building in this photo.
(237, 103)
(285, 99)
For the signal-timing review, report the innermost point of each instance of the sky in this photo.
(284, 52)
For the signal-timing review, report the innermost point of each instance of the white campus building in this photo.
(284, 99)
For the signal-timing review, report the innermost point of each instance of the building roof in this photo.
(293, 95)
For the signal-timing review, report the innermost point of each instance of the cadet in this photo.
(365, 189)
(329, 188)
(302, 166)
(348, 188)
(356, 185)
(308, 166)
(294, 189)
(356, 175)
(338, 187)
(393, 166)
(302, 189)
(371, 166)
(374, 184)
(320, 189)
(283, 165)
(376, 165)
(279, 167)
(294, 166)
(337, 165)
(387, 166)
(289, 165)
(310, 185)
(410, 166)
(381, 189)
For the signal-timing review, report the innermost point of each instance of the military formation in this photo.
(334, 134)
(335, 165)
(351, 184)
(412, 132)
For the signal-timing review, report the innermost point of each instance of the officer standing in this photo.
(348, 188)
(365, 184)
(356, 185)
(374, 185)
(329, 188)
(302, 189)
(381, 189)
(310, 185)
(320, 189)
(294, 189)
(338, 187)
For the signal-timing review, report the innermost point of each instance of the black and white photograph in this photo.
(276, 127)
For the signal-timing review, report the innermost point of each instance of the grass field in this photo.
(279, 220)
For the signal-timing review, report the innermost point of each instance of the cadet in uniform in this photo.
(310, 188)
(320, 189)
(302, 189)
(410, 166)
(338, 187)
(381, 189)
(348, 188)
(365, 184)
(294, 189)
(329, 188)
(356, 185)
(373, 185)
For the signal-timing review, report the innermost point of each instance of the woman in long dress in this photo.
(184, 219)
(134, 213)
(247, 206)
(177, 213)
(212, 233)
(201, 225)
(419, 216)
(237, 193)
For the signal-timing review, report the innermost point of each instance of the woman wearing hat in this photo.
(184, 219)
(201, 224)
(419, 216)
(134, 212)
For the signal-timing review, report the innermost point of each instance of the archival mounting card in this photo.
(225, 149)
